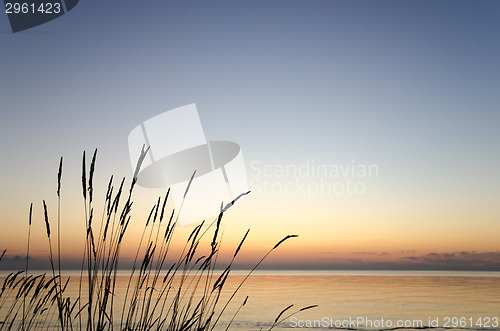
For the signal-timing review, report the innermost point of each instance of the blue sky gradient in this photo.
(412, 86)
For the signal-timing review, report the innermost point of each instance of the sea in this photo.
(344, 300)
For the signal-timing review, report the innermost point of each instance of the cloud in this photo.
(456, 260)
(15, 258)
(382, 260)
(412, 258)
(18, 262)
(370, 253)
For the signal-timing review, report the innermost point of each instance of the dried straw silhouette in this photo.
(183, 295)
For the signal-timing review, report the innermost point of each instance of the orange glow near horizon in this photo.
(363, 232)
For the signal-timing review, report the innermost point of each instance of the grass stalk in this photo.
(187, 296)
(27, 264)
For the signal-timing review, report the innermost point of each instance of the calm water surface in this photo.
(394, 296)
(359, 300)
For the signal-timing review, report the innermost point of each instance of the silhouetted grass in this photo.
(184, 295)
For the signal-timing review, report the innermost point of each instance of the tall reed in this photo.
(164, 291)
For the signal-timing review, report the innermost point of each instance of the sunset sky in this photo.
(368, 128)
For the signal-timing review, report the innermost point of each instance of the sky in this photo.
(368, 128)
